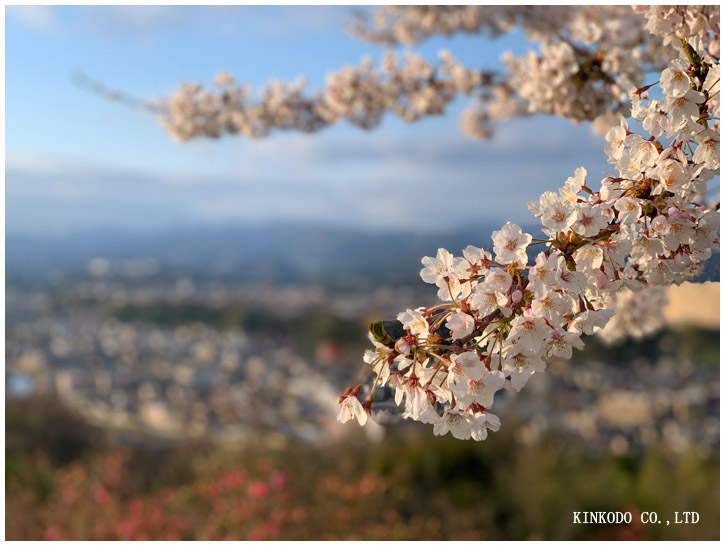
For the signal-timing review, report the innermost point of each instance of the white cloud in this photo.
(135, 19)
(340, 176)
(271, 21)
(38, 164)
(39, 18)
(293, 19)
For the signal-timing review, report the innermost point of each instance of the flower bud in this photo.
(379, 333)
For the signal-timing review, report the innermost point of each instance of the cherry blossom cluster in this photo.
(503, 314)
(587, 57)
(361, 94)
(636, 314)
(410, 25)
(684, 22)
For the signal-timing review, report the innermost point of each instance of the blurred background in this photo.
(180, 319)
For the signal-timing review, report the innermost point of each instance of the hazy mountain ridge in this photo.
(281, 253)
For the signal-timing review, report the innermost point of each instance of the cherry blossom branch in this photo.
(645, 227)
(587, 56)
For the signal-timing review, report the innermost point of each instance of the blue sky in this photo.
(76, 162)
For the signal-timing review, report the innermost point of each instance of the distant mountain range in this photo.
(275, 253)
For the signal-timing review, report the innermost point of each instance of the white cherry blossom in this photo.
(350, 407)
(460, 324)
(509, 244)
(414, 321)
(464, 367)
(520, 364)
(482, 391)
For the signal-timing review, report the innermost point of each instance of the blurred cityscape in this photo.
(147, 354)
(133, 348)
(189, 361)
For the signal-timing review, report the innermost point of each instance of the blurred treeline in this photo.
(688, 343)
(67, 480)
(308, 329)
